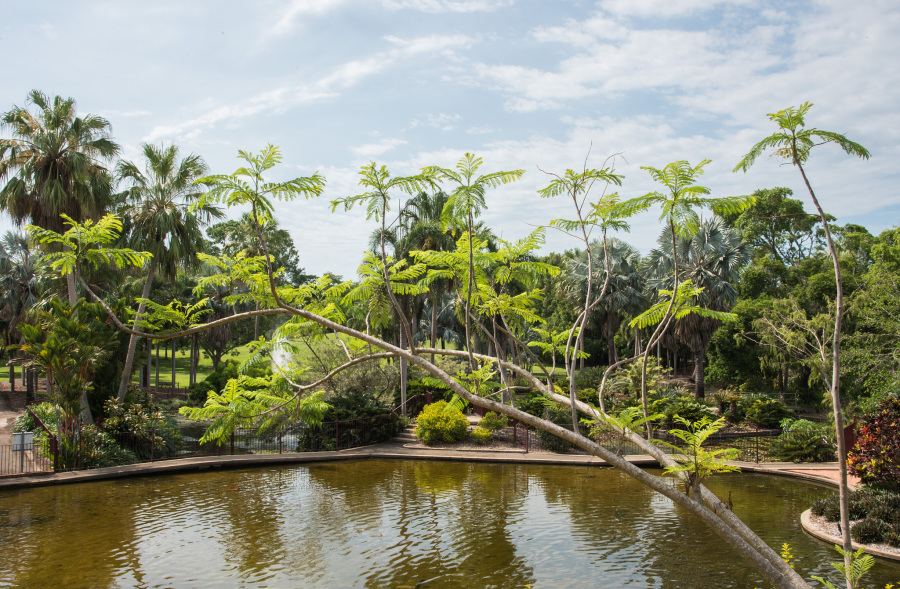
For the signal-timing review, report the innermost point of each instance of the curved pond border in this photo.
(809, 528)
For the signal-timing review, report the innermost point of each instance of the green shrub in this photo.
(892, 538)
(686, 408)
(804, 441)
(534, 403)
(865, 503)
(766, 412)
(589, 377)
(493, 422)
(440, 422)
(869, 531)
(216, 381)
(481, 435)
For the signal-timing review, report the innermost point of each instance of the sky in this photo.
(539, 85)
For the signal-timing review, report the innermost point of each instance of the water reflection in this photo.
(391, 524)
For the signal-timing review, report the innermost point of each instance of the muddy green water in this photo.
(392, 524)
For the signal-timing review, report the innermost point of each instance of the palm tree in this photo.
(55, 165)
(21, 285)
(165, 220)
(711, 258)
(624, 292)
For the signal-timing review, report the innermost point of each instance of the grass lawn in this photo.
(182, 361)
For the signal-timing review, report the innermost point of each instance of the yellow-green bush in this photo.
(481, 435)
(440, 422)
(493, 422)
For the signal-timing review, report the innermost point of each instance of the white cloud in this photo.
(665, 8)
(371, 150)
(345, 76)
(438, 6)
(442, 121)
(301, 8)
(229, 114)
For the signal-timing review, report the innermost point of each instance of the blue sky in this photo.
(521, 83)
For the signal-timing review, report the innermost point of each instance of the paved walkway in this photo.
(826, 473)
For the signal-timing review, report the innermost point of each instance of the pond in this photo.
(393, 524)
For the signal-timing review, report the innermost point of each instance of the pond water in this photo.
(393, 524)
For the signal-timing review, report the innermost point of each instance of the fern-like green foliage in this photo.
(682, 307)
(467, 199)
(243, 400)
(793, 141)
(695, 460)
(248, 186)
(174, 316)
(494, 272)
(404, 279)
(684, 196)
(554, 342)
(380, 184)
(86, 243)
(629, 420)
(860, 564)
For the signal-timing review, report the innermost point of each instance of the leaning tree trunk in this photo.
(133, 339)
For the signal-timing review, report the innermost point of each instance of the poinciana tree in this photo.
(793, 142)
(312, 304)
(166, 217)
(55, 164)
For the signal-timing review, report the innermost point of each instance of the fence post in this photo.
(337, 433)
(152, 440)
(232, 442)
(757, 444)
(54, 450)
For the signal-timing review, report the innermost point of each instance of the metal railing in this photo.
(24, 462)
(153, 445)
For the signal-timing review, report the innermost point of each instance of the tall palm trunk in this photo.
(133, 340)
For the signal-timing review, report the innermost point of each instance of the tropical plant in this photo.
(876, 457)
(711, 258)
(696, 461)
(794, 142)
(803, 441)
(69, 344)
(165, 220)
(679, 206)
(54, 165)
(465, 204)
(605, 214)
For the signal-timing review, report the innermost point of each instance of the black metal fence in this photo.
(24, 462)
(153, 445)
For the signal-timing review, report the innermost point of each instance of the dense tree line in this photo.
(742, 296)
